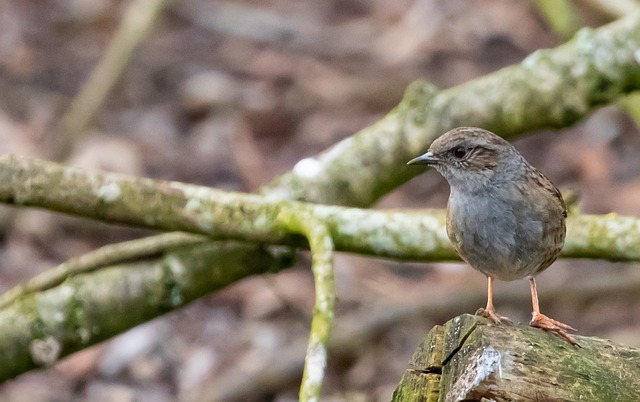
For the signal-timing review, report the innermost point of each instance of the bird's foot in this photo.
(549, 324)
(494, 317)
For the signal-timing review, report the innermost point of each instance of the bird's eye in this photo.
(459, 152)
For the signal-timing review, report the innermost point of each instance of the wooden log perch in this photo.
(467, 359)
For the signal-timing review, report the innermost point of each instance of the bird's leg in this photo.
(490, 311)
(540, 320)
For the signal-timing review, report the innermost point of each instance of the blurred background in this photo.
(231, 94)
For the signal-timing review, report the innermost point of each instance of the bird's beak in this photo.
(426, 159)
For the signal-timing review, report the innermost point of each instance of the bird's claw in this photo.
(494, 317)
(549, 324)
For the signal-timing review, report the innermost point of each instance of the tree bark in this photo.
(468, 360)
(40, 328)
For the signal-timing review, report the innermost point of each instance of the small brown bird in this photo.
(504, 217)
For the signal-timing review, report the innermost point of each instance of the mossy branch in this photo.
(90, 307)
(108, 255)
(321, 245)
(173, 206)
(550, 88)
(417, 235)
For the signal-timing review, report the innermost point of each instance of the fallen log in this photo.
(468, 359)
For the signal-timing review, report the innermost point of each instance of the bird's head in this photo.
(470, 158)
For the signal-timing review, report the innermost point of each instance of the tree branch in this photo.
(102, 257)
(88, 308)
(550, 88)
(417, 235)
(321, 245)
(173, 206)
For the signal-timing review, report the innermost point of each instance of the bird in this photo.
(504, 217)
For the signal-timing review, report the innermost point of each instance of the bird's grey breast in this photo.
(494, 234)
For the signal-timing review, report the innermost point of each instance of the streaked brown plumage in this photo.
(504, 217)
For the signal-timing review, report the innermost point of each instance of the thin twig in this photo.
(561, 16)
(137, 22)
(104, 256)
(615, 8)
